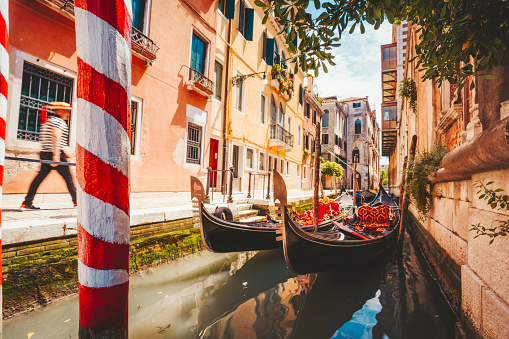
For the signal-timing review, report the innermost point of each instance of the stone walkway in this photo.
(57, 217)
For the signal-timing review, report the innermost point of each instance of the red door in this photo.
(214, 155)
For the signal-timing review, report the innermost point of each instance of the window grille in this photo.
(193, 143)
(39, 87)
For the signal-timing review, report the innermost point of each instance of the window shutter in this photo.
(269, 57)
(230, 9)
(248, 24)
(301, 94)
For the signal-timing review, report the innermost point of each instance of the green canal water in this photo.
(254, 295)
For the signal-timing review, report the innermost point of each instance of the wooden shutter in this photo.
(248, 24)
(230, 9)
(269, 57)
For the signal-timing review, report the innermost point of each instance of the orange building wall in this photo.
(47, 34)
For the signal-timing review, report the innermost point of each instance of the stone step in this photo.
(244, 207)
(255, 219)
(247, 214)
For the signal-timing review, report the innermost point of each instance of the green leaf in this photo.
(352, 29)
(260, 4)
(363, 29)
(487, 76)
(317, 4)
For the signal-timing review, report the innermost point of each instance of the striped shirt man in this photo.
(46, 137)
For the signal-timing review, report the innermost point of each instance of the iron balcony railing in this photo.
(279, 133)
(140, 43)
(201, 81)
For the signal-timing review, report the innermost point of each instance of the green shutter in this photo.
(269, 57)
(248, 24)
(230, 9)
(301, 94)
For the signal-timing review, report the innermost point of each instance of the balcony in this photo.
(282, 82)
(280, 138)
(200, 83)
(141, 45)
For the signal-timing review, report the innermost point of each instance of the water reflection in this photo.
(254, 295)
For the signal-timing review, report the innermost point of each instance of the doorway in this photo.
(213, 159)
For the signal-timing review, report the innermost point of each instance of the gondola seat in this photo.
(374, 220)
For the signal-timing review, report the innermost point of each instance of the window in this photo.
(313, 145)
(325, 119)
(325, 139)
(135, 118)
(245, 26)
(264, 44)
(193, 143)
(239, 95)
(314, 117)
(355, 155)
(298, 135)
(218, 84)
(356, 105)
(288, 168)
(388, 57)
(307, 110)
(289, 126)
(301, 94)
(249, 158)
(270, 168)
(304, 172)
(263, 105)
(389, 117)
(261, 161)
(306, 140)
(282, 166)
(227, 7)
(344, 144)
(198, 53)
(139, 14)
(358, 126)
(39, 87)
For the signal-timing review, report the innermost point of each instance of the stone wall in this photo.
(37, 273)
(473, 273)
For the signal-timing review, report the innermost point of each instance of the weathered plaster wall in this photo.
(473, 273)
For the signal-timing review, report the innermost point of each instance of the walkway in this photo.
(57, 218)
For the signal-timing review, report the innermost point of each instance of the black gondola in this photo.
(227, 236)
(316, 252)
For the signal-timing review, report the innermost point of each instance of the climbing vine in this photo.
(408, 90)
(495, 201)
(418, 184)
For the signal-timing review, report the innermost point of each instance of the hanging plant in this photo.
(285, 82)
(419, 186)
(408, 90)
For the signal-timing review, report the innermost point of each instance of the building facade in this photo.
(171, 88)
(334, 132)
(363, 135)
(258, 109)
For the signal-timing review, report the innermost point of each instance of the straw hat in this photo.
(59, 105)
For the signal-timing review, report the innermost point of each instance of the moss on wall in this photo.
(36, 274)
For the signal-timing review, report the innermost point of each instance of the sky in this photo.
(357, 70)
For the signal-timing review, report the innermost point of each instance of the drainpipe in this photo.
(4, 86)
(225, 107)
(102, 167)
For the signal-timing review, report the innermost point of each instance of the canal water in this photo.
(254, 295)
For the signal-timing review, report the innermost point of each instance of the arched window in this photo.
(358, 126)
(355, 155)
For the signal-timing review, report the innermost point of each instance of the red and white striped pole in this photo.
(4, 89)
(103, 43)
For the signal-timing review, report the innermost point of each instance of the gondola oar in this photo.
(349, 230)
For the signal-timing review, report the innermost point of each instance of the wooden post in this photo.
(207, 196)
(230, 194)
(249, 186)
(268, 187)
(4, 89)
(404, 194)
(103, 45)
(317, 177)
(354, 183)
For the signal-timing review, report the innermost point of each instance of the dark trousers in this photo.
(63, 170)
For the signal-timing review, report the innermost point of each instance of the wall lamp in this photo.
(240, 78)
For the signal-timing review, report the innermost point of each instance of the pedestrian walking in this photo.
(53, 137)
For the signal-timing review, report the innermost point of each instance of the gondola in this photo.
(344, 247)
(225, 236)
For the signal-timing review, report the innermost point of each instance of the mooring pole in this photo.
(404, 194)
(4, 89)
(103, 44)
(207, 196)
(317, 177)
